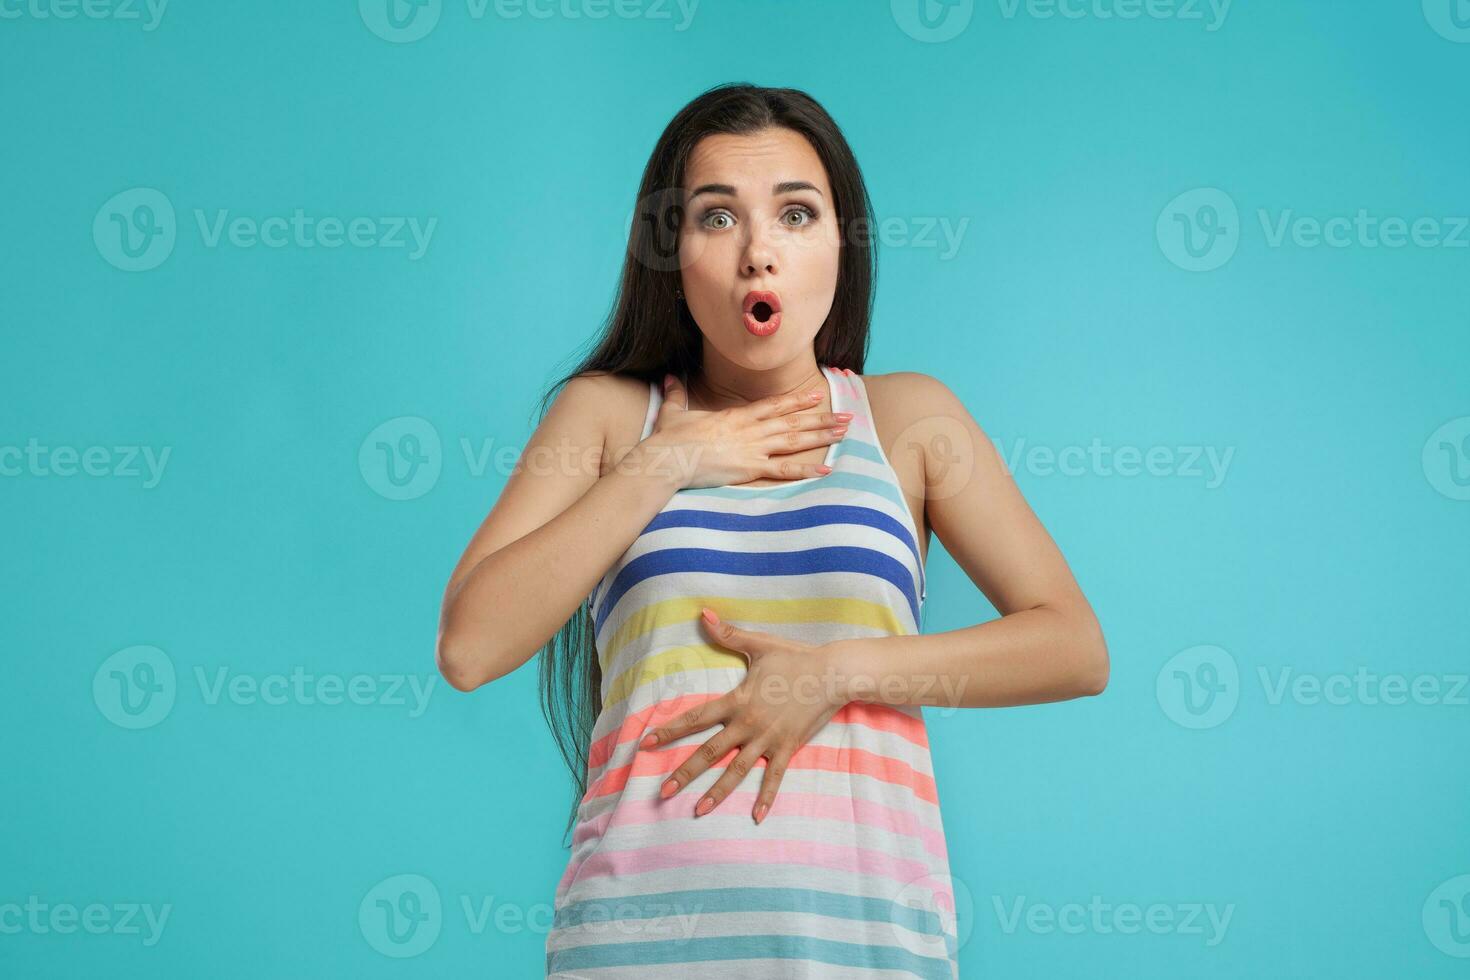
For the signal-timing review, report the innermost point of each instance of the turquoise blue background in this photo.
(1336, 835)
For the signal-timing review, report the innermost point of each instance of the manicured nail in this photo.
(761, 811)
(667, 790)
(842, 416)
(709, 616)
(824, 468)
(649, 741)
(705, 806)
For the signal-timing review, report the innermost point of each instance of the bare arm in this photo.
(554, 531)
(1047, 644)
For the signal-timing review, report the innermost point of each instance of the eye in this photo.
(802, 213)
(710, 217)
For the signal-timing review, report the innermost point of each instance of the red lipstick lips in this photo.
(762, 310)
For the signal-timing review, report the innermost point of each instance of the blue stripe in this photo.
(709, 901)
(789, 520)
(836, 480)
(855, 955)
(668, 561)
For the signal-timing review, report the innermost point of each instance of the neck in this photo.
(721, 384)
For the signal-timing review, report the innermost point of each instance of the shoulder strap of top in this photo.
(655, 399)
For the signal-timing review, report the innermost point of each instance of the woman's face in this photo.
(758, 248)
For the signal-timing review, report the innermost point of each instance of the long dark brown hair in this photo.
(650, 333)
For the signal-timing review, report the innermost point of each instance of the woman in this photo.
(756, 800)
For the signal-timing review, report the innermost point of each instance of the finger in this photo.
(752, 643)
(795, 442)
(778, 467)
(775, 405)
(770, 783)
(696, 719)
(675, 393)
(801, 421)
(730, 779)
(699, 760)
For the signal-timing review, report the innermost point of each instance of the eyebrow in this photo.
(784, 187)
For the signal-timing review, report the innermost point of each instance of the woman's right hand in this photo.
(738, 445)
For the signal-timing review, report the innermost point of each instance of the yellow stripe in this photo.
(816, 609)
(748, 613)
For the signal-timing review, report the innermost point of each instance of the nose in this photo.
(760, 255)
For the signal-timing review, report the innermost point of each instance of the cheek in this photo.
(702, 258)
(819, 267)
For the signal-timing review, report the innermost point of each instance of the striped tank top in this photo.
(848, 874)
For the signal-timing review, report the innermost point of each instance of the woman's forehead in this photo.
(755, 162)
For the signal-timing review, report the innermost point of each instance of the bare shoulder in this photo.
(616, 404)
(903, 399)
(919, 417)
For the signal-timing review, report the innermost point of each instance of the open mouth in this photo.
(762, 310)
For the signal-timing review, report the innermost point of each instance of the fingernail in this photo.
(667, 790)
(705, 806)
(760, 812)
(649, 741)
(842, 416)
(710, 617)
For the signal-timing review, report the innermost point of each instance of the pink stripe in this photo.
(878, 717)
(858, 762)
(631, 812)
(708, 853)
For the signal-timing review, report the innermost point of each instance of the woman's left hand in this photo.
(789, 692)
